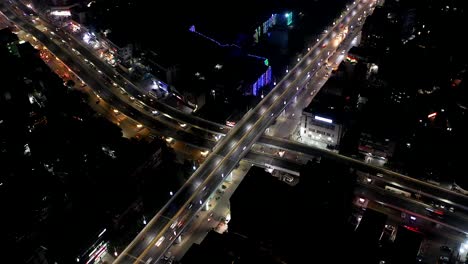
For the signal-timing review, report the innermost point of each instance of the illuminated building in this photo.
(117, 49)
(65, 13)
(262, 29)
(234, 70)
(289, 18)
(321, 121)
(263, 80)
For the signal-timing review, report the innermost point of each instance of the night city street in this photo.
(140, 132)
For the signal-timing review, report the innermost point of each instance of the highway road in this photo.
(122, 103)
(438, 193)
(86, 73)
(150, 245)
(107, 71)
(157, 126)
(456, 221)
(126, 106)
(106, 91)
(166, 111)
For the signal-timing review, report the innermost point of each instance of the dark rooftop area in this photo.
(284, 218)
(327, 105)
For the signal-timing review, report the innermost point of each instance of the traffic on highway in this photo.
(160, 233)
(110, 85)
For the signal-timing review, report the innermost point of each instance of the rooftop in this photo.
(327, 105)
(6, 36)
(208, 60)
(285, 215)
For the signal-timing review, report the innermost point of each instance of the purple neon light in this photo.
(262, 81)
(256, 56)
(192, 29)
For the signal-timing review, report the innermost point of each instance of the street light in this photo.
(464, 247)
(171, 193)
(463, 250)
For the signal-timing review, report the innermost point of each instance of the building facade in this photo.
(320, 128)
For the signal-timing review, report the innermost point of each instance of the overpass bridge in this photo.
(147, 119)
(172, 219)
(142, 113)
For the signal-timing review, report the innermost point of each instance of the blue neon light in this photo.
(192, 29)
(257, 57)
(262, 81)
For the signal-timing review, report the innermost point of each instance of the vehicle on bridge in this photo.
(397, 191)
(433, 212)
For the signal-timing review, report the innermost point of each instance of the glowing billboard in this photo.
(323, 119)
(61, 13)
